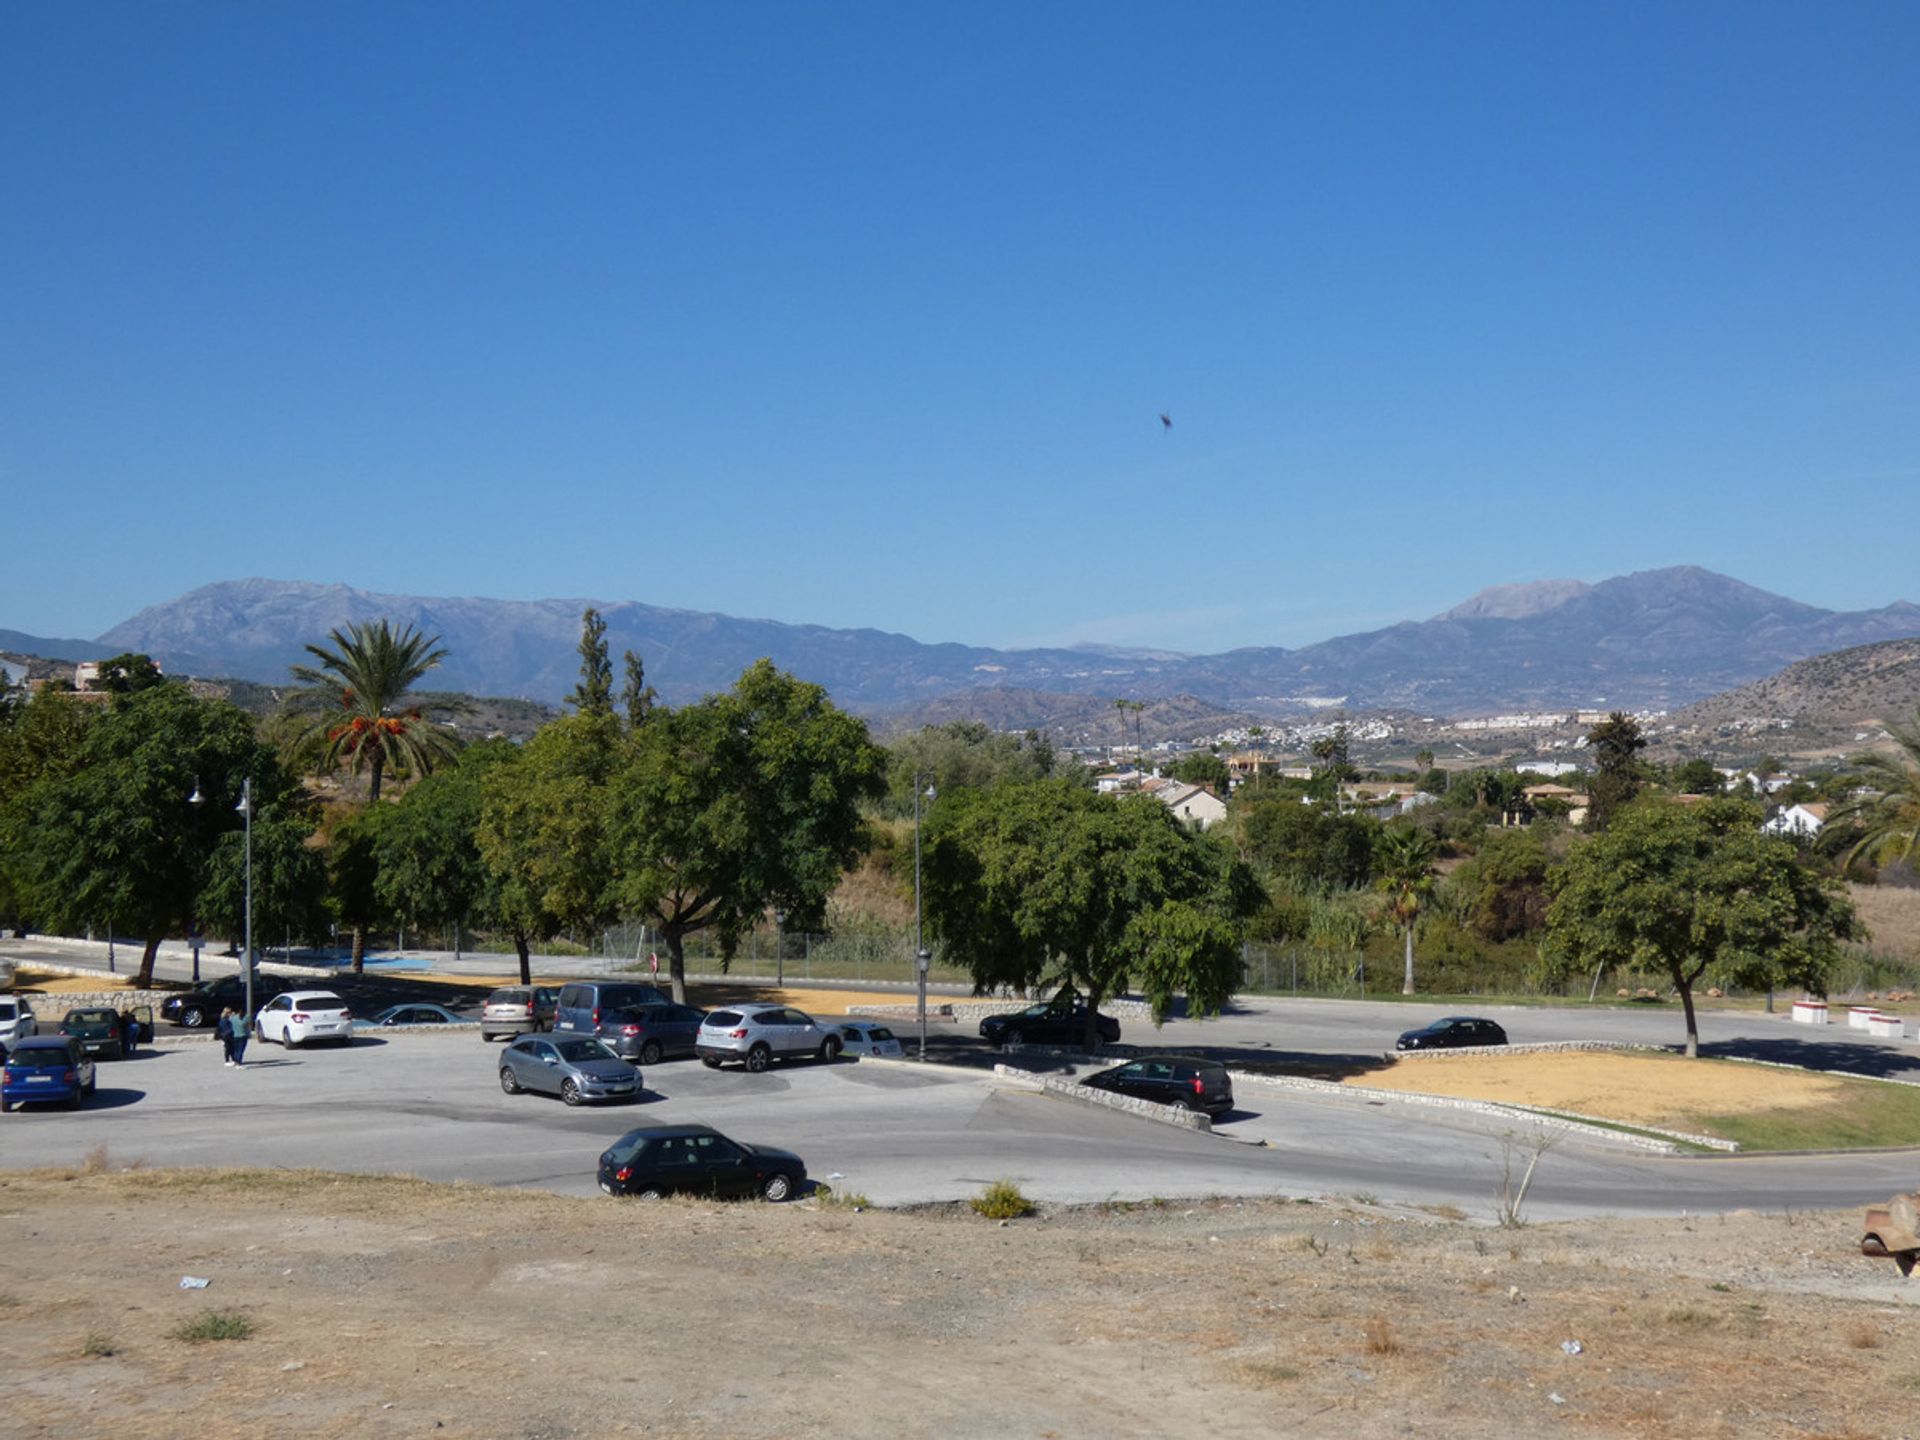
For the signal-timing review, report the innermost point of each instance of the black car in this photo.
(651, 1033)
(1046, 1024)
(660, 1160)
(1186, 1082)
(203, 1004)
(99, 1031)
(1452, 1032)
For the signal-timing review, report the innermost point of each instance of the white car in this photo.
(16, 1021)
(302, 1015)
(869, 1037)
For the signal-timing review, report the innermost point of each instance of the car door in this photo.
(272, 1022)
(684, 1028)
(723, 1163)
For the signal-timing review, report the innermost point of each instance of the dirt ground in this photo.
(382, 1306)
(1666, 1091)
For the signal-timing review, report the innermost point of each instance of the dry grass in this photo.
(1863, 1336)
(1379, 1337)
(1892, 916)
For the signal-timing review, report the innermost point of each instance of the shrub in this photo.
(1002, 1200)
(215, 1325)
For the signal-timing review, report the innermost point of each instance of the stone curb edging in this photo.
(1581, 1125)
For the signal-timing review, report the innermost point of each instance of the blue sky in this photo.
(866, 314)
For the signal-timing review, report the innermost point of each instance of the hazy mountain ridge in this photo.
(1660, 638)
(1861, 686)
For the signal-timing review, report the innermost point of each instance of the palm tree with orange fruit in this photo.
(355, 709)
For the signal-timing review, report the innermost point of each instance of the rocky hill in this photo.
(1847, 691)
(1073, 719)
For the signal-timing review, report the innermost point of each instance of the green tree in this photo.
(1697, 891)
(1500, 892)
(1404, 859)
(354, 709)
(128, 672)
(430, 871)
(42, 742)
(289, 878)
(1696, 777)
(544, 831)
(1202, 768)
(352, 839)
(962, 755)
(1332, 753)
(637, 695)
(1049, 882)
(1616, 743)
(1304, 847)
(746, 800)
(1885, 809)
(594, 694)
(114, 840)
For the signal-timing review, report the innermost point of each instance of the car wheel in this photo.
(509, 1082)
(73, 1100)
(777, 1188)
(652, 1192)
(709, 1062)
(757, 1058)
(287, 1040)
(193, 1017)
(487, 1037)
(830, 1048)
(1179, 1102)
(650, 1053)
(570, 1092)
(1013, 1037)
(5, 1106)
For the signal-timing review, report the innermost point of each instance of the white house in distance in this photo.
(1194, 804)
(1804, 821)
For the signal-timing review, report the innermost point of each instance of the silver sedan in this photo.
(576, 1068)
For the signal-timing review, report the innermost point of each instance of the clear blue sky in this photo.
(866, 314)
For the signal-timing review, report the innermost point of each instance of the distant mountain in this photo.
(1072, 719)
(1660, 638)
(1866, 685)
(17, 642)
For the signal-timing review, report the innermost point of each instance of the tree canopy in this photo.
(354, 711)
(1046, 882)
(1699, 892)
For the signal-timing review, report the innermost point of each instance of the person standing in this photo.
(239, 1039)
(223, 1027)
(129, 1032)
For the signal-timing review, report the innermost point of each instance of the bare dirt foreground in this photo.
(393, 1307)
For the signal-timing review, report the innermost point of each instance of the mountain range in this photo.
(1654, 639)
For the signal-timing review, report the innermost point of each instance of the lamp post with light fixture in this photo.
(922, 957)
(245, 807)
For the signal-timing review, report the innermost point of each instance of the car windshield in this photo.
(33, 1056)
(624, 1149)
(508, 997)
(582, 1050)
(91, 1017)
(321, 1002)
(723, 1017)
(880, 1032)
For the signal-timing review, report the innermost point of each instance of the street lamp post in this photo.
(245, 807)
(779, 946)
(922, 957)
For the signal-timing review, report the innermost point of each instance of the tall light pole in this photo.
(922, 957)
(245, 807)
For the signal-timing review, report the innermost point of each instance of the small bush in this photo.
(1380, 1338)
(215, 1325)
(1002, 1200)
(96, 1343)
(830, 1199)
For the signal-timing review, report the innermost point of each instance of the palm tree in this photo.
(355, 709)
(1888, 813)
(1404, 858)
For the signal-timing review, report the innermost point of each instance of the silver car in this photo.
(577, 1068)
(757, 1035)
(16, 1021)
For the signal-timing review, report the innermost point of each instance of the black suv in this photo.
(1186, 1082)
(1046, 1024)
(202, 1005)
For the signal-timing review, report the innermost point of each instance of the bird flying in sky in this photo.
(1166, 422)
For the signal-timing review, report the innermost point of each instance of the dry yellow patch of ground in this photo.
(46, 983)
(1629, 1089)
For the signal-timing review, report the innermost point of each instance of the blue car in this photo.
(45, 1069)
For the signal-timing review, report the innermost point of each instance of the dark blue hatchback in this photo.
(45, 1069)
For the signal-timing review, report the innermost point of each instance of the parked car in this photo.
(46, 1069)
(757, 1035)
(518, 1009)
(302, 1015)
(17, 1022)
(203, 1004)
(1450, 1032)
(660, 1160)
(868, 1037)
(651, 1033)
(586, 1004)
(577, 1068)
(1186, 1082)
(410, 1015)
(1046, 1024)
(97, 1029)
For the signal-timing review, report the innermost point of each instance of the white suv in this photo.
(756, 1035)
(16, 1021)
(302, 1015)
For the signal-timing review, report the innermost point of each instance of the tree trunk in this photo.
(1407, 987)
(373, 788)
(526, 960)
(676, 964)
(1693, 1025)
(359, 950)
(144, 980)
(1093, 1021)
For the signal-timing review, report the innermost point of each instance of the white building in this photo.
(1194, 804)
(1803, 821)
